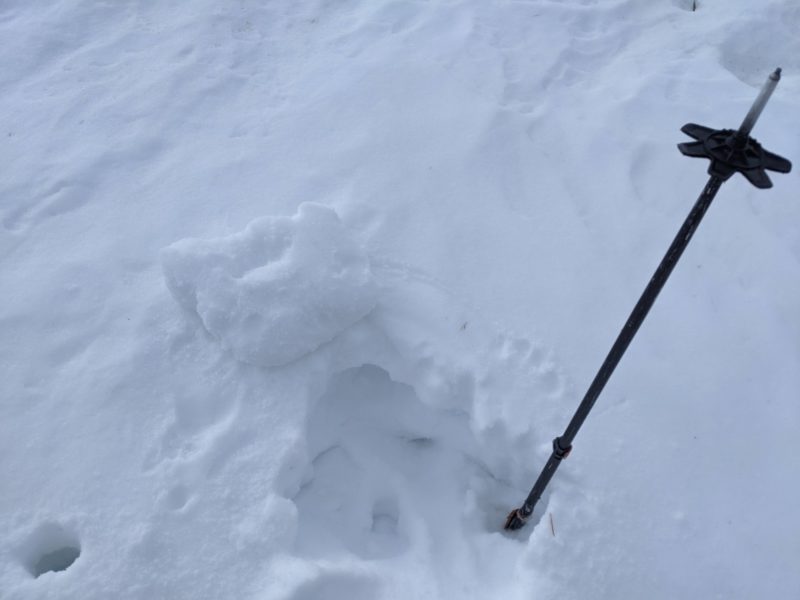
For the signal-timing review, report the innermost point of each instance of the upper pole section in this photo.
(755, 111)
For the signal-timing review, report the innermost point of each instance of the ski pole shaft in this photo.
(563, 444)
(643, 306)
(730, 152)
(758, 105)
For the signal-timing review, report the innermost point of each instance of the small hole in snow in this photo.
(50, 548)
(57, 560)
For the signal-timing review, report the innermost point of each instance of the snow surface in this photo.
(296, 294)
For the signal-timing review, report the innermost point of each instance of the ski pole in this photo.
(730, 152)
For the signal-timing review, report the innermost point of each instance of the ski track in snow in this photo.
(151, 451)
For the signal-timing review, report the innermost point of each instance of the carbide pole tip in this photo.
(777, 74)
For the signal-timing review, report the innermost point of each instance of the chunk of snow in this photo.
(277, 290)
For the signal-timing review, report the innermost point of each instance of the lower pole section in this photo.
(518, 517)
(563, 444)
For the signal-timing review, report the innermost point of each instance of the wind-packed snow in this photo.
(295, 296)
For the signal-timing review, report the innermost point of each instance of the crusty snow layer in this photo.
(276, 291)
(348, 396)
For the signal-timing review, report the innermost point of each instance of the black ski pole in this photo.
(730, 152)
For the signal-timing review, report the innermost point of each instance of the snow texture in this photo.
(294, 297)
(279, 289)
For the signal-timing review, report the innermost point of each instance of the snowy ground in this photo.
(296, 294)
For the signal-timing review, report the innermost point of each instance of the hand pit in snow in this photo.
(385, 468)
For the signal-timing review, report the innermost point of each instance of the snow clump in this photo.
(277, 290)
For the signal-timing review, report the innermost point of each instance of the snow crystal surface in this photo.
(294, 297)
(277, 290)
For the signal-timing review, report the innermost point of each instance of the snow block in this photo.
(277, 290)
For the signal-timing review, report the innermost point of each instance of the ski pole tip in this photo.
(776, 76)
(515, 520)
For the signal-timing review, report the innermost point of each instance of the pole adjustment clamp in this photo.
(559, 451)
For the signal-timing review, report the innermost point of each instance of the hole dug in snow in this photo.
(50, 548)
(385, 468)
(337, 585)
